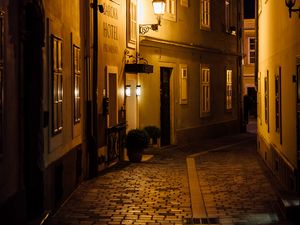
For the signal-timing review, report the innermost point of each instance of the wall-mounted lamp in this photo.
(127, 90)
(138, 90)
(159, 10)
(290, 4)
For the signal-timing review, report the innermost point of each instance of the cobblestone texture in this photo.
(156, 192)
(235, 187)
(153, 192)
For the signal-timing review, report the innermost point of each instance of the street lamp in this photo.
(290, 4)
(159, 10)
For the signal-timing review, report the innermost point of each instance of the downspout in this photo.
(93, 146)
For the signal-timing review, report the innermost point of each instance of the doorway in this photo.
(165, 120)
(252, 94)
(32, 92)
(112, 96)
(250, 108)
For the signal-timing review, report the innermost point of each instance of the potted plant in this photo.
(136, 142)
(153, 133)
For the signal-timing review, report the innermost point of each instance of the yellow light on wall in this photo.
(127, 90)
(138, 90)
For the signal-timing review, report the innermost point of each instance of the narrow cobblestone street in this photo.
(233, 182)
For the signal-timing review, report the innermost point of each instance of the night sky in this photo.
(249, 6)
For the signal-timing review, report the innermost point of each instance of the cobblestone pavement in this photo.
(232, 181)
(235, 188)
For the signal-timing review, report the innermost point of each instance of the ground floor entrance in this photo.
(165, 121)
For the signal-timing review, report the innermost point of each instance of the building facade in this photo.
(62, 107)
(194, 91)
(249, 91)
(278, 90)
(249, 56)
(64, 66)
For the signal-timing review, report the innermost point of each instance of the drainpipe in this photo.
(93, 146)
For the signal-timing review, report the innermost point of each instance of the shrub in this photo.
(153, 132)
(136, 139)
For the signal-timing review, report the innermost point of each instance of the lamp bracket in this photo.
(144, 28)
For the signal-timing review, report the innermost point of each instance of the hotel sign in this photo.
(111, 26)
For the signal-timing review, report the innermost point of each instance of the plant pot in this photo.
(135, 155)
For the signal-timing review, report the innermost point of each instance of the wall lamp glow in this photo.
(159, 10)
(127, 90)
(138, 90)
(290, 4)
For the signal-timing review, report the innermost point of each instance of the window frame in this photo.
(132, 33)
(229, 90)
(57, 84)
(278, 115)
(205, 23)
(251, 50)
(76, 84)
(183, 84)
(227, 15)
(266, 99)
(205, 91)
(170, 10)
(184, 3)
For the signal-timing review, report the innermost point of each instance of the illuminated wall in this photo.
(181, 43)
(279, 47)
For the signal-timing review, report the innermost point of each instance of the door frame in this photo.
(110, 71)
(172, 98)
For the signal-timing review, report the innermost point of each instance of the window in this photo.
(205, 14)
(267, 99)
(1, 76)
(278, 101)
(205, 91)
(184, 3)
(251, 50)
(57, 86)
(229, 25)
(77, 83)
(170, 10)
(132, 28)
(228, 89)
(228, 16)
(183, 85)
